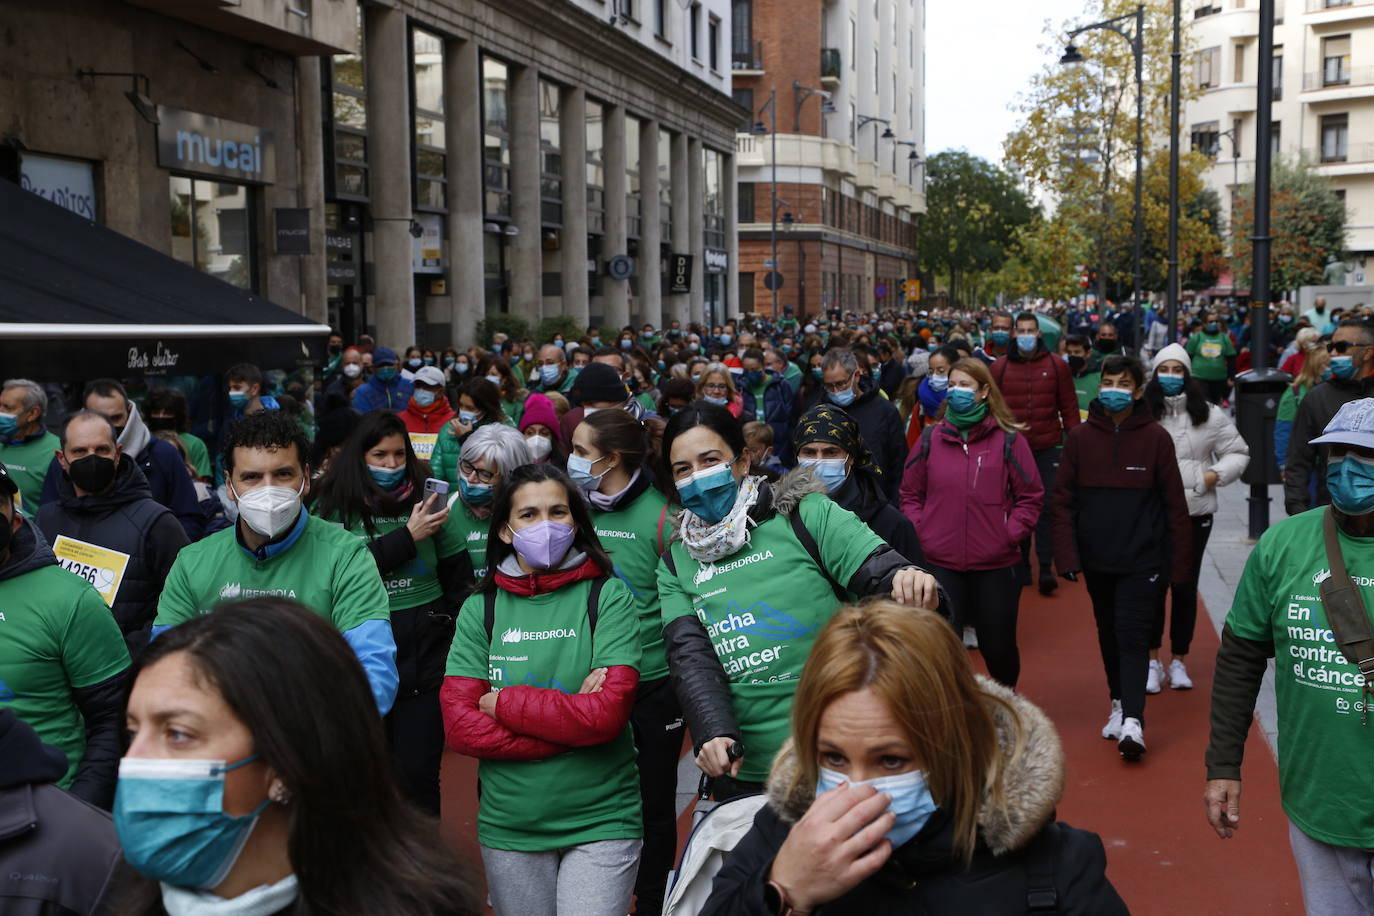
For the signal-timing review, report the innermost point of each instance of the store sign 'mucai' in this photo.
(199, 144)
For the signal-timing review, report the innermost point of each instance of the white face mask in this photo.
(495, 380)
(270, 510)
(352, 370)
(539, 446)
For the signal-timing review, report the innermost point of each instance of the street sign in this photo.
(913, 290)
(880, 290)
(620, 267)
(772, 280)
(770, 263)
(680, 273)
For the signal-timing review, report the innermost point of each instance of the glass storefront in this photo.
(213, 228)
(430, 161)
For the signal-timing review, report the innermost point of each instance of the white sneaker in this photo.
(1178, 676)
(1132, 743)
(970, 638)
(1154, 678)
(1112, 730)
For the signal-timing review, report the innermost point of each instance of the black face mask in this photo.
(93, 473)
(1076, 363)
(155, 424)
(118, 431)
(1106, 345)
(6, 533)
(335, 349)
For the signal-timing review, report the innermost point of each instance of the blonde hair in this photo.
(913, 661)
(716, 369)
(1313, 366)
(997, 405)
(559, 401)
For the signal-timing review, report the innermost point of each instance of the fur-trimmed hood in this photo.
(1032, 783)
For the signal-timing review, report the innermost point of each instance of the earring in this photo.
(279, 794)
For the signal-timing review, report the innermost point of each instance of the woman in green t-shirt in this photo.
(1211, 350)
(540, 683)
(759, 569)
(374, 489)
(610, 452)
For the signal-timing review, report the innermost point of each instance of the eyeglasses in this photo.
(715, 386)
(1343, 346)
(835, 387)
(469, 469)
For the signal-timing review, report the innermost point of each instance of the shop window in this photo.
(550, 154)
(496, 137)
(212, 228)
(431, 164)
(348, 93)
(596, 167)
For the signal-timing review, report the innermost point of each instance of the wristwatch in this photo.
(776, 899)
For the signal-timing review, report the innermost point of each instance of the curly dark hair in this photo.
(266, 429)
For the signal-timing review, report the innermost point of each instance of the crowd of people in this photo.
(774, 540)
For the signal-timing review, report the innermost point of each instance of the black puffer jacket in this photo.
(127, 520)
(1304, 459)
(862, 495)
(57, 853)
(881, 427)
(1022, 852)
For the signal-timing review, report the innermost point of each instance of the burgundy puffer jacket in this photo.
(971, 507)
(1039, 390)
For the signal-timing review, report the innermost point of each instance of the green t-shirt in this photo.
(633, 535)
(1209, 352)
(513, 410)
(1086, 386)
(417, 581)
(1288, 403)
(793, 376)
(585, 794)
(56, 636)
(197, 453)
(762, 608)
(465, 531)
(1319, 693)
(327, 569)
(28, 464)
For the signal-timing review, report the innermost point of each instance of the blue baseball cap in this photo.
(383, 356)
(1353, 424)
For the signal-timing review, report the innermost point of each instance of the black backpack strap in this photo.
(489, 612)
(1041, 895)
(594, 602)
(667, 557)
(1008, 456)
(1345, 611)
(814, 551)
(925, 445)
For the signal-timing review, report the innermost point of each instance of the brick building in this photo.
(846, 84)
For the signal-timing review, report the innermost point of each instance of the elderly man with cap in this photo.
(429, 408)
(386, 390)
(1302, 573)
(599, 387)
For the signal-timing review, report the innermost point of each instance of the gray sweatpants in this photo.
(1336, 880)
(592, 879)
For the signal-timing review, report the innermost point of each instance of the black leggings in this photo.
(987, 600)
(1124, 606)
(657, 721)
(1183, 614)
(1216, 389)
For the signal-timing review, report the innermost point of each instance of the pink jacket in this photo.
(970, 507)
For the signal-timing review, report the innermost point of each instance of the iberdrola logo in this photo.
(230, 591)
(511, 635)
(1321, 577)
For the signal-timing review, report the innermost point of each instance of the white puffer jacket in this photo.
(1213, 446)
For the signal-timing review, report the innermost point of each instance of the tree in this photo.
(973, 209)
(1046, 260)
(1306, 222)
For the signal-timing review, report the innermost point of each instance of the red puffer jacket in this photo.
(971, 507)
(1039, 390)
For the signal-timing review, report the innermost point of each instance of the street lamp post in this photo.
(1136, 40)
(913, 155)
(1171, 295)
(865, 120)
(800, 94)
(772, 106)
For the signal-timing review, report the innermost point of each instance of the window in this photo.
(660, 19)
(876, 90)
(713, 43)
(665, 186)
(911, 111)
(1335, 130)
(853, 45)
(1278, 73)
(853, 125)
(1239, 75)
(626, 8)
(431, 177)
(212, 228)
(550, 154)
(1275, 139)
(596, 169)
(349, 137)
(1206, 68)
(634, 211)
(496, 137)
(694, 30)
(745, 199)
(1206, 137)
(1336, 61)
(911, 47)
(742, 34)
(713, 205)
(744, 98)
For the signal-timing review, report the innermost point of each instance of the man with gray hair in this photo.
(855, 391)
(26, 445)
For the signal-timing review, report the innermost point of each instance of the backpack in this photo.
(1008, 456)
(593, 607)
(713, 835)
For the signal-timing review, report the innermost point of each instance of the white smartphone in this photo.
(435, 486)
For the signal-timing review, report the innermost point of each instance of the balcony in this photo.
(1325, 11)
(303, 27)
(747, 61)
(1353, 159)
(830, 67)
(1331, 85)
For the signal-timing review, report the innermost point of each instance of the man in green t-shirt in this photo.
(1085, 367)
(279, 549)
(1210, 349)
(63, 664)
(26, 445)
(1326, 789)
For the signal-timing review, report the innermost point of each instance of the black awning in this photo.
(79, 301)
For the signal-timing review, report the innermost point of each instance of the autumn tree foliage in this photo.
(1306, 223)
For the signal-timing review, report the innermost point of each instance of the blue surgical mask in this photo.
(1115, 399)
(429, 360)
(1000, 338)
(467, 417)
(596, 341)
(170, 818)
(474, 494)
(962, 400)
(1172, 384)
(580, 470)
(1342, 367)
(725, 340)
(829, 471)
(1351, 484)
(386, 478)
(424, 398)
(238, 399)
(1026, 342)
(712, 399)
(843, 398)
(386, 374)
(911, 802)
(9, 424)
(938, 382)
(548, 374)
(816, 372)
(461, 368)
(709, 494)
(626, 343)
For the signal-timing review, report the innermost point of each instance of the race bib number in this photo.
(1211, 349)
(100, 566)
(423, 443)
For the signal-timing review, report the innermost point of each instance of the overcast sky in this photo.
(978, 57)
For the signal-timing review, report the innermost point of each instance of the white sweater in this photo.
(1216, 445)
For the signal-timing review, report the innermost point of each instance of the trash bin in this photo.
(1257, 406)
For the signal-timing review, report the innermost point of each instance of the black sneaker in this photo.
(1048, 583)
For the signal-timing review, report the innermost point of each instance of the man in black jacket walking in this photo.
(856, 393)
(104, 502)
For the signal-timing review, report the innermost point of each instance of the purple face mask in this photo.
(543, 545)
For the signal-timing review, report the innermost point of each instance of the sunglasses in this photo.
(1343, 346)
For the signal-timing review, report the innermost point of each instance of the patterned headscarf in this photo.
(827, 423)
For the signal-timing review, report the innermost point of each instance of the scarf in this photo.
(966, 421)
(510, 577)
(136, 436)
(930, 398)
(708, 543)
(263, 900)
(607, 502)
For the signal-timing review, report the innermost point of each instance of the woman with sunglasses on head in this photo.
(257, 779)
(757, 570)
(374, 488)
(540, 685)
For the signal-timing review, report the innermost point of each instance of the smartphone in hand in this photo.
(436, 487)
